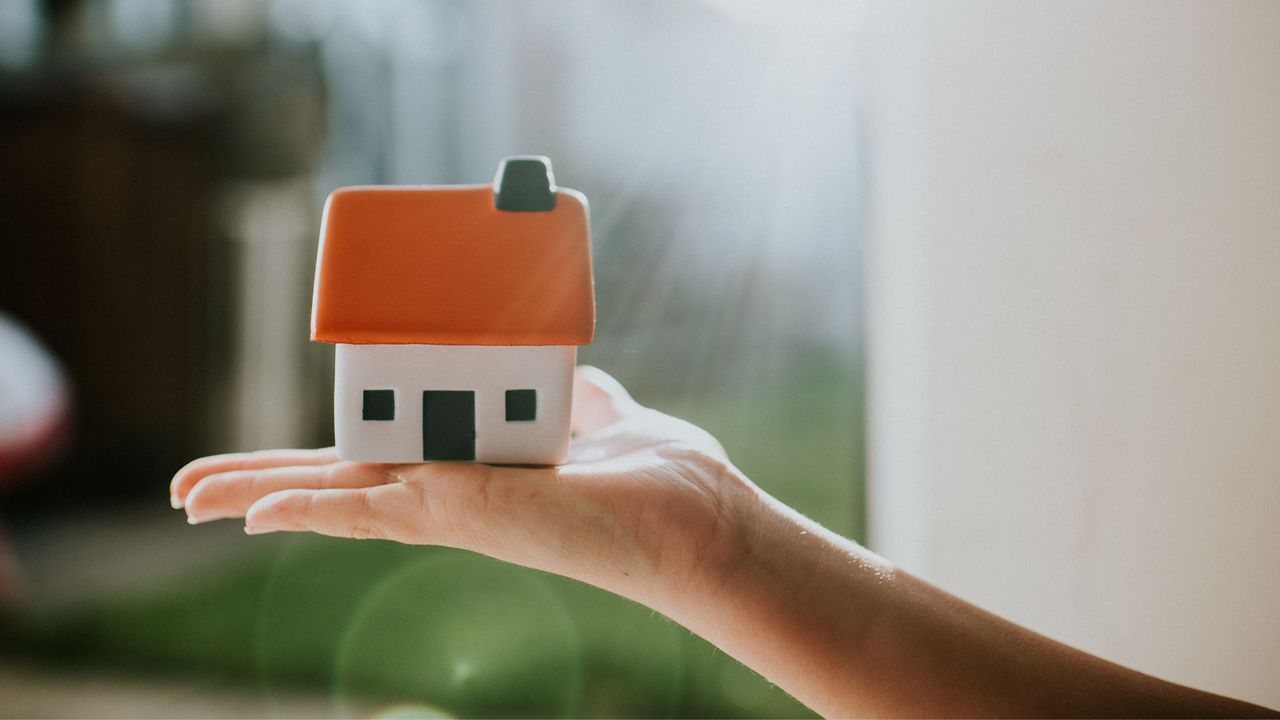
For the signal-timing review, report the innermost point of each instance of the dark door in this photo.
(448, 425)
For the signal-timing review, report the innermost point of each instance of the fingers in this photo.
(390, 512)
(229, 494)
(598, 401)
(196, 470)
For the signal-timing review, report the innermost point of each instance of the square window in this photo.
(522, 405)
(379, 405)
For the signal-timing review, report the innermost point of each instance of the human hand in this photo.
(646, 500)
(649, 507)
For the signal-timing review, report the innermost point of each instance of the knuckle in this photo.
(366, 524)
(253, 484)
(364, 506)
(390, 474)
(332, 475)
(422, 525)
(361, 530)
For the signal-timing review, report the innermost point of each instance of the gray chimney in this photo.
(525, 184)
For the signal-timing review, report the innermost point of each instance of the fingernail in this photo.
(175, 502)
(192, 520)
(258, 529)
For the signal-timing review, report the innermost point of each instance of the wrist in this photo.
(786, 597)
(698, 546)
(743, 520)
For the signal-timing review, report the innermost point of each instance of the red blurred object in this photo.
(34, 421)
(34, 403)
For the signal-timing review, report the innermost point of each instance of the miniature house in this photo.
(457, 312)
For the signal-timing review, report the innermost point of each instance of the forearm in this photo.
(945, 656)
(849, 635)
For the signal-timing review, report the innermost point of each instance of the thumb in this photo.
(598, 401)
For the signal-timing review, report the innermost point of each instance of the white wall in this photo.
(1075, 321)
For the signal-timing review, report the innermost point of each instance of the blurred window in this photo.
(20, 29)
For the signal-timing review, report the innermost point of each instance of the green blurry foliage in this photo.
(422, 631)
(426, 630)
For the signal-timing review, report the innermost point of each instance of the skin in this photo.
(649, 507)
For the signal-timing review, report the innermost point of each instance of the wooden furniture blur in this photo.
(108, 253)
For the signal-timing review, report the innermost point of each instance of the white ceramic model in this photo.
(456, 312)
(487, 372)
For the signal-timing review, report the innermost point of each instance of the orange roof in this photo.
(442, 265)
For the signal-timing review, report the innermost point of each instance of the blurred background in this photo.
(163, 165)
(990, 286)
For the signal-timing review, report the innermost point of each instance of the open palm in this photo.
(644, 499)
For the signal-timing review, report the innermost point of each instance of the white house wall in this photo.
(487, 371)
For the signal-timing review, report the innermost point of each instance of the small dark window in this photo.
(522, 405)
(379, 404)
